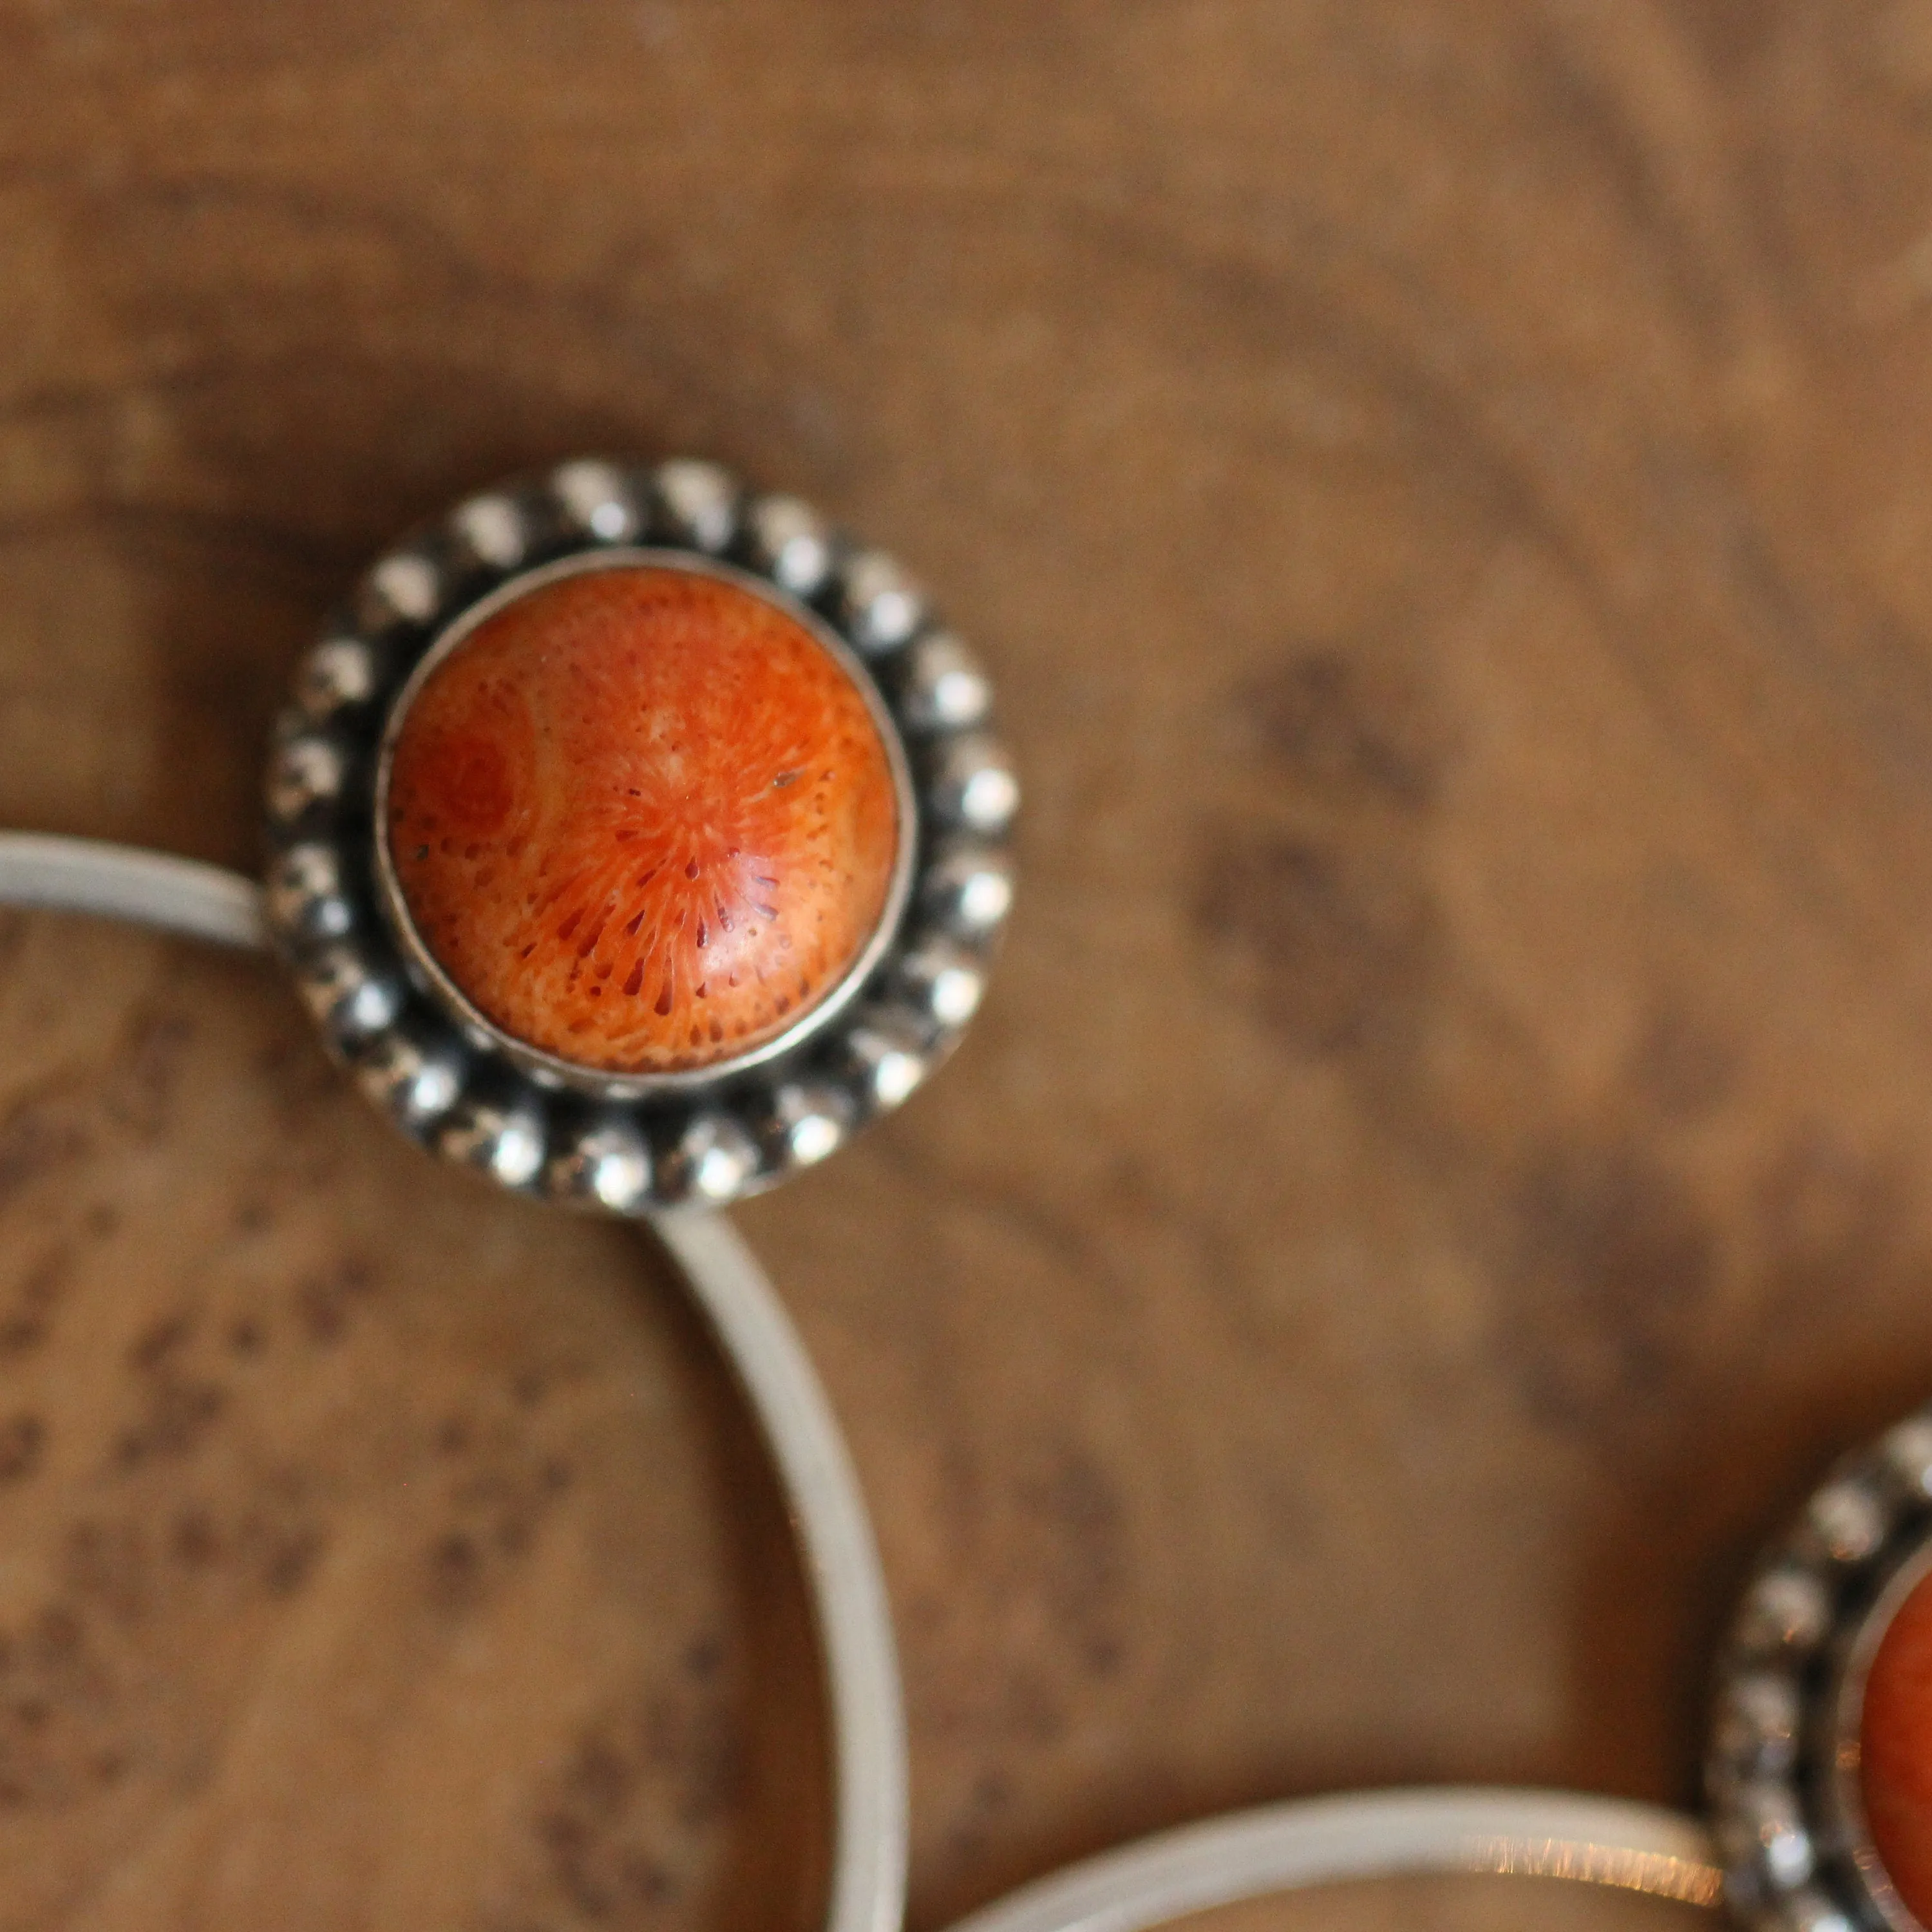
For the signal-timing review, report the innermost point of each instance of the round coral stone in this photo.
(642, 818)
(1895, 1750)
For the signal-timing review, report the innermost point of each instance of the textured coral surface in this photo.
(644, 819)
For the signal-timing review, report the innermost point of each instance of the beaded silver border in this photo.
(448, 1083)
(1782, 1771)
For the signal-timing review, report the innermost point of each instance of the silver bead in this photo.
(305, 898)
(968, 888)
(698, 503)
(1786, 1611)
(801, 1123)
(1906, 1453)
(881, 605)
(505, 1139)
(790, 543)
(605, 1161)
(1759, 1720)
(306, 774)
(1762, 1836)
(1809, 1910)
(415, 1077)
(974, 786)
(886, 1057)
(597, 501)
(337, 675)
(404, 588)
(1847, 1521)
(942, 687)
(352, 997)
(943, 983)
(493, 530)
(714, 1160)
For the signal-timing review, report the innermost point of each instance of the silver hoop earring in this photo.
(634, 840)
(1818, 1772)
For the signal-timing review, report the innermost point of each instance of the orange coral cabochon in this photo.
(1895, 1750)
(644, 819)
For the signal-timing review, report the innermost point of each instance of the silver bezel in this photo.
(444, 1072)
(1783, 1767)
(547, 1070)
(1842, 1793)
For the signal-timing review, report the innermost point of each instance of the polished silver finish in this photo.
(308, 774)
(790, 543)
(803, 1123)
(307, 893)
(406, 587)
(599, 501)
(336, 675)
(885, 1056)
(1809, 1910)
(942, 687)
(1784, 1764)
(493, 531)
(842, 1564)
(355, 996)
(710, 1162)
(1786, 1613)
(1906, 1453)
(1763, 1836)
(840, 1559)
(506, 1139)
(968, 888)
(974, 786)
(177, 896)
(697, 504)
(879, 604)
(337, 914)
(942, 982)
(1759, 1717)
(603, 1162)
(415, 1073)
(1845, 1522)
(1372, 1835)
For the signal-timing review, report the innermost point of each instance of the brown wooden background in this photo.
(1448, 492)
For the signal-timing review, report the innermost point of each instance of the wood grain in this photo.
(1446, 492)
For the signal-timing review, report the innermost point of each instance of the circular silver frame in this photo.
(443, 1071)
(1842, 1793)
(1783, 1770)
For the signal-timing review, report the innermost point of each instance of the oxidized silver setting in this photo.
(450, 1080)
(1783, 1771)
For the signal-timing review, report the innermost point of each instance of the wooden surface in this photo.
(1447, 494)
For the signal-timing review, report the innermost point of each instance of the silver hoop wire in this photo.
(86, 875)
(1249, 1855)
(827, 1513)
(1380, 1835)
